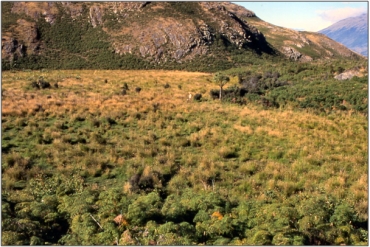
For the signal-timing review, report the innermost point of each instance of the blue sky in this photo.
(307, 16)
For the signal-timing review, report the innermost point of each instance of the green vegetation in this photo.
(325, 97)
(221, 80)
(9, 19)
(83, 164)
(99, 155)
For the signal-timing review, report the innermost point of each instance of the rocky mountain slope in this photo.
(186, 35)
(300, 45)
(351, 32)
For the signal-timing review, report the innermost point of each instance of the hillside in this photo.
(300, 45)
(351, 32)
(126, 35)
(204, 36)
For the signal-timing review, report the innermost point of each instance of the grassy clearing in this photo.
(85, 148)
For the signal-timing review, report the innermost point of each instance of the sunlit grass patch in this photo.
(151, 145)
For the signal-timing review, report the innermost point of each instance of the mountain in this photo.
(207, 36)
(300, 45)
(351, 32)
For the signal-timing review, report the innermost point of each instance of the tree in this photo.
(221, 80)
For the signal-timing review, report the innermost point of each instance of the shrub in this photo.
(34, 84)
(228, 153)
(214, 93)
(40, 84)
(197, 97)
(267, 103)
(43, 84)
(229, 94)
(340, 70)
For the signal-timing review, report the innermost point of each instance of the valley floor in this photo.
(87, 162)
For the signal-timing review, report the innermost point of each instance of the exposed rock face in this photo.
(238, 10)
(291, 53)
(25, 42)
(10, 49)
(295, 55)
(96, 16)
(159, 39)
(347, 75)
(236, 30)
(163, 41)
(30, 35)
(171, 39)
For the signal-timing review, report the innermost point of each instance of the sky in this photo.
(305, 16)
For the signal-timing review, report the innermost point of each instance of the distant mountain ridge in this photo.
(351, 32)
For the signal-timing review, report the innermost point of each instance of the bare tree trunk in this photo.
(96, 221)
(221, 92)
(204, 184)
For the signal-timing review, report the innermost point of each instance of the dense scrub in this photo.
(301, 86)
(85, 164)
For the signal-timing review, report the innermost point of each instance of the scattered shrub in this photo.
(43, 84)
(34, 84)
(229, 93)
(267, 103)
(197, 97)
(155, 107)
(40, 84)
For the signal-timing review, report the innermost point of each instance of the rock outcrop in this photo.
(179, 39)
(349, 74)
(295, 55)
(143, 29)
(24, 41)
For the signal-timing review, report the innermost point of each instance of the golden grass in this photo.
(85, 89)
(246, 129)
(317, 152)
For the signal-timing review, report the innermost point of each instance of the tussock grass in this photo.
(88, 129)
